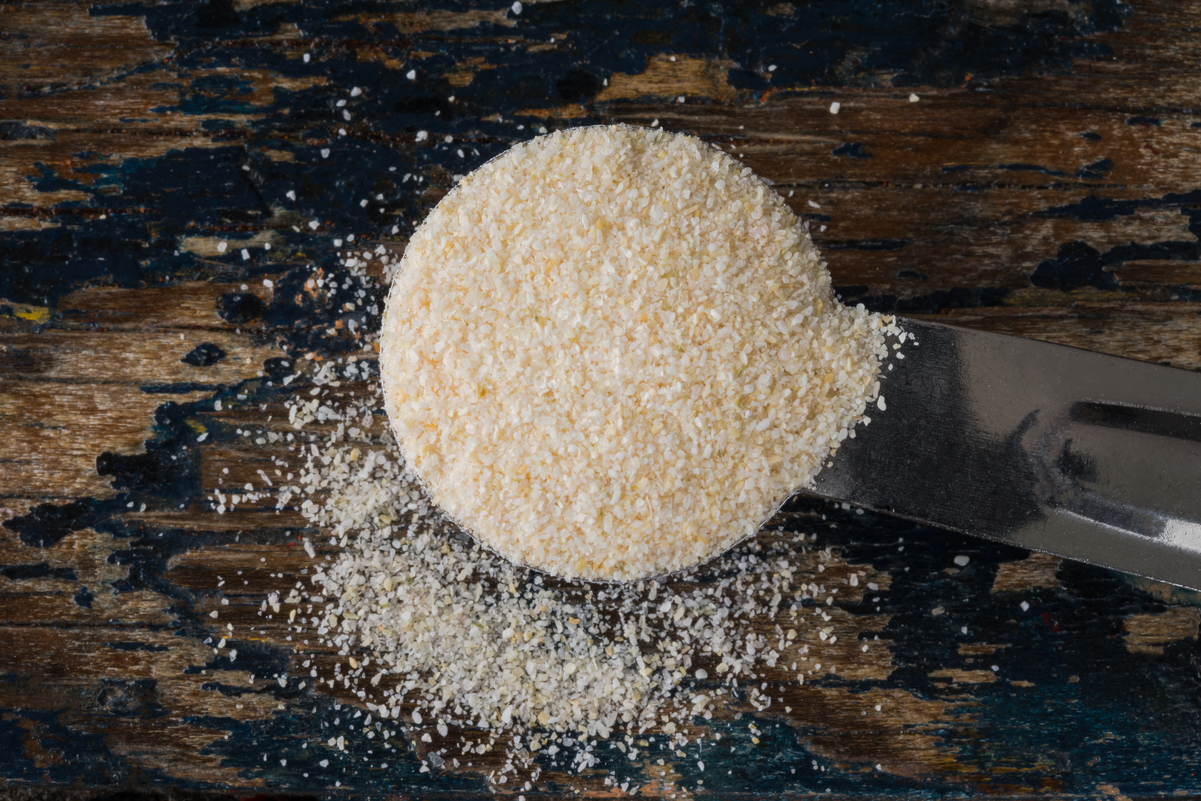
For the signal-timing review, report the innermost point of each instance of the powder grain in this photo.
(613, 352)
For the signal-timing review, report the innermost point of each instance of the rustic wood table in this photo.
(170, 171)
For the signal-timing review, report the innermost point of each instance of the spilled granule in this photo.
(436, 631)
(506, 648)
(613, 352)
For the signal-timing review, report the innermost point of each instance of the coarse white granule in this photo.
(613, 352)
(466, 638)
(441, 634)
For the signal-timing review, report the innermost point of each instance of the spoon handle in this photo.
(1075, 453)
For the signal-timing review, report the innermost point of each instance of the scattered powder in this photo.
(613, 352)
(434, 633)
(476, 641)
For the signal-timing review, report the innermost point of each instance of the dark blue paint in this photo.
(926, 42)
(1077, 265)
(262, 661)
(866, 244)
(136, 646)
(240, 308)
(169, 470)
(84, 757)
(47, 523)
(1032, 168)
(13, 130)
(206, 354)
(181, 388)
(40, 570)
(608, 37)
(130, 698)
(1096, 170)
(84, 597)
(1097, 209)
(927, 303)
(852, 150)
(284, 735)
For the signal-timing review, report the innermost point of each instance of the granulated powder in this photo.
(613, 352)
(471, 661)
(434, 634)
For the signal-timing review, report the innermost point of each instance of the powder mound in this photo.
(613, 352)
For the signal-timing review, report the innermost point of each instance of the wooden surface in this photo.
(1047, 183)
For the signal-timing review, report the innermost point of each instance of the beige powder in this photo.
(613, 352)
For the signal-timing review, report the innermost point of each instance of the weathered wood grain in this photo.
(1044, 184)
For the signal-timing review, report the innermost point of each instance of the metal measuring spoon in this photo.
(1078, 454)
